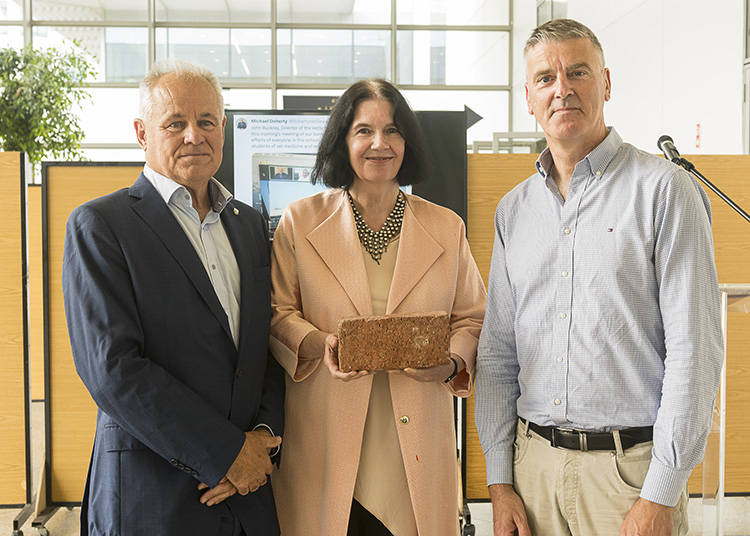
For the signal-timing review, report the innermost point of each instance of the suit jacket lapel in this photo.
(337, 243)
(417, 251)
(157, 215)
(245, 248)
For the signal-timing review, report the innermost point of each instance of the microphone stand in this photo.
(685, 163)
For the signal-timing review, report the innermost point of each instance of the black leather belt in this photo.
(580, 440)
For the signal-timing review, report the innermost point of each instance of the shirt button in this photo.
(213, 267)
(598, 173)
(559, 359)
(563, 315)
(558, 401)
(404, 419)
(566, 231)
(564, 273)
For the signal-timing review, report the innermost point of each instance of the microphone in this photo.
(666, 145)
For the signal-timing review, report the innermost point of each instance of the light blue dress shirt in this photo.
(209, 238)
(603, 311)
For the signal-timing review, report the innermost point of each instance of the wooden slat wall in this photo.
(71, 416)
(13, 398)
(491, 176)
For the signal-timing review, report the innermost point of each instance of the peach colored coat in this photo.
(318, 278)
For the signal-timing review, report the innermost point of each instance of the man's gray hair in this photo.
(558, 30)
(184, 70)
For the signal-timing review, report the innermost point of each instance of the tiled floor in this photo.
(65, 521)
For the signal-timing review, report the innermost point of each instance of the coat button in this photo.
(239, 372)
(404, 419)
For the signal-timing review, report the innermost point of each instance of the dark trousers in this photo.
(230, 525)
(363, 523)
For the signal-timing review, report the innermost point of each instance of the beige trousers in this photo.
(574, 493)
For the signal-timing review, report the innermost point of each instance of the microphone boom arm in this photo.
(688, 166)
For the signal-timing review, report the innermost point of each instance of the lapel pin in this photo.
(236, 211)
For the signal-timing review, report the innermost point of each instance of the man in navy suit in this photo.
(167, 298)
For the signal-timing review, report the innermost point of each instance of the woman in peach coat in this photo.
(370, 453)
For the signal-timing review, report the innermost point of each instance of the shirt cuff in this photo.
(499, 467)
(275, 451)
(664, 485)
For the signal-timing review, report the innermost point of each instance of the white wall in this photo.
(674, 64)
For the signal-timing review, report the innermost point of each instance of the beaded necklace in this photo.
(376, 242)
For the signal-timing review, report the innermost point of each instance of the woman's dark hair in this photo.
(332, 165)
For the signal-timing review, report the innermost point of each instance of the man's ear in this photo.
(607, 85)
(140, 132)
(528, 102)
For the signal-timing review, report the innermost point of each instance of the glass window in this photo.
(452, 58)
(11, 10)
(116, 155)
(449, 12)
(332, 56)
(203, 11)
(247, 99)
(86, 10)
(119, 53)
(235, 55)
(492, 106)
(335, 11)
(108, 117)
(547, 10)
(11, 37)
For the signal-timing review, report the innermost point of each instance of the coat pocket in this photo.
(114, 438)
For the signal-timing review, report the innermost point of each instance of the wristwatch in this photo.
(455, 370)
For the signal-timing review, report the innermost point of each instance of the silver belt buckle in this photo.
(555, 429)
(583, 442)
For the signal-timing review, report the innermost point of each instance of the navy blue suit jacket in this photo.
(152, 344)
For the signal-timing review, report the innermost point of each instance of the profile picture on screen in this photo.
(280, 174)
(302, 174)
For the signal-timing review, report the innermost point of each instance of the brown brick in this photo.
(394, 341)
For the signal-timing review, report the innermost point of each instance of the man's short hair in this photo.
(558, 30)
(184, 70)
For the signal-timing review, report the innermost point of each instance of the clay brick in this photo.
(394, 341)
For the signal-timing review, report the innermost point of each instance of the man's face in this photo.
(184, 136)
(566, 88)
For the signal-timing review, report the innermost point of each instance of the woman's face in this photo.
(376, 148)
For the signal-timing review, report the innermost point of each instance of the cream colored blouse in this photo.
(381, 485)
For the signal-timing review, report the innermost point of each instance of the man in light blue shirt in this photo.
(601, 351)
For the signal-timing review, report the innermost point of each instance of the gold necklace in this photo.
(376, 242)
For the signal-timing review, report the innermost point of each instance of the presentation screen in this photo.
(269, 155)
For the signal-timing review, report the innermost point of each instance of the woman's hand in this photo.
(331, 359)
(438, 373)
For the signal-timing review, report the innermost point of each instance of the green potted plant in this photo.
(39, 92)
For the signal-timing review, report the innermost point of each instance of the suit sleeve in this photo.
(109, 348)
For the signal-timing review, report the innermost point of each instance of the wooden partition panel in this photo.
(36, 287)
(15, 472)
(71, 413)
(491, 176)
